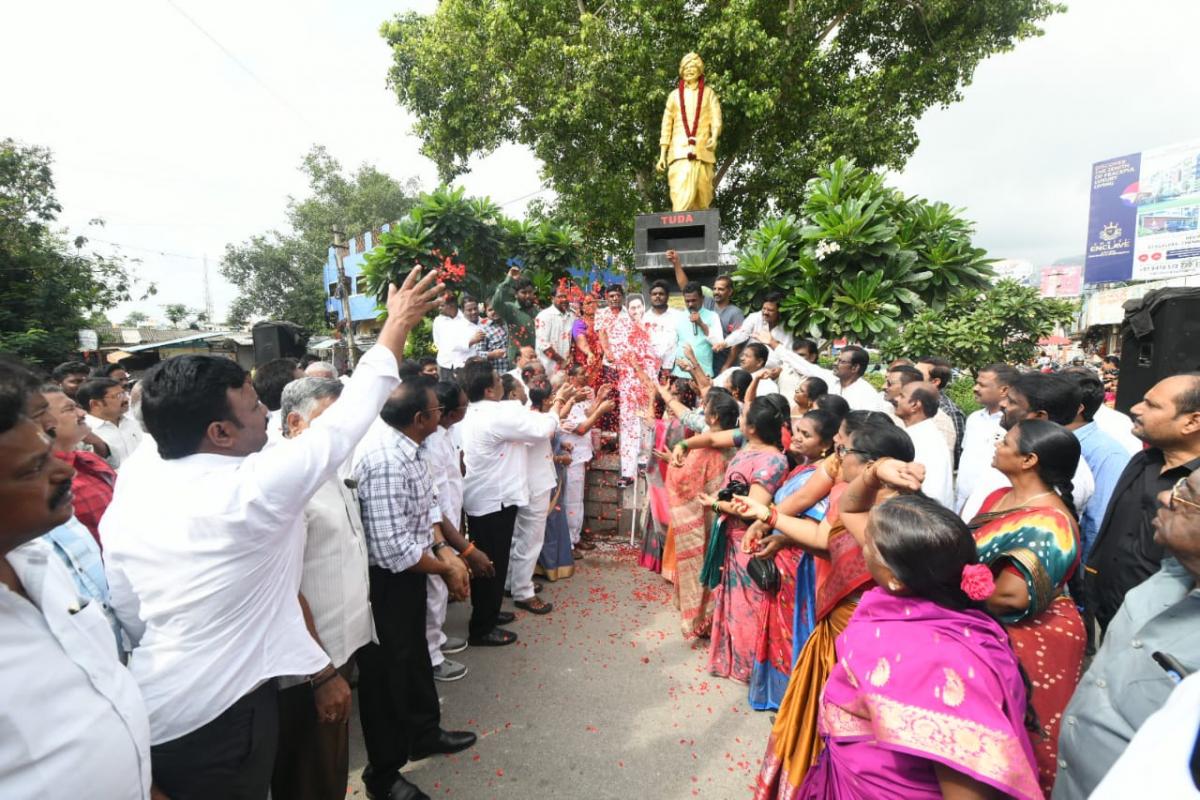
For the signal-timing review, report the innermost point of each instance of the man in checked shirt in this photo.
(401, 717)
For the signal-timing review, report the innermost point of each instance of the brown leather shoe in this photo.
(584, 544)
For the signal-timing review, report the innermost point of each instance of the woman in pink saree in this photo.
(927, 698)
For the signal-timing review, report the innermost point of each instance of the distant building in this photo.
(362, 303)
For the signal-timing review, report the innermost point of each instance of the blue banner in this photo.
(1112, 219)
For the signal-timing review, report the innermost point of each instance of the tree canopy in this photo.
(472, 244)
(279, 273)
(49, 288)
(859, 257)
(583, 85)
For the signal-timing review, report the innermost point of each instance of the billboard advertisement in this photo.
(1144, 222)
(1062, 281)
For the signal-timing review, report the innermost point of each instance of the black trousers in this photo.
(397, 699)
(230, 758)
(491, 533)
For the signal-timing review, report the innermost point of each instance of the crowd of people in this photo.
(198, 565)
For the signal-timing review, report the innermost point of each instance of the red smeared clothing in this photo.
(92, 487)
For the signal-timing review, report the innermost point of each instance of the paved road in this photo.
(600, 699)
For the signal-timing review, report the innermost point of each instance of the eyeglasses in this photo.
(842, 450)
(1175, 498)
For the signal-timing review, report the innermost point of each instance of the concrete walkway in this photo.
(600, 699)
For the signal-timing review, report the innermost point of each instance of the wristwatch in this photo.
(437, 546)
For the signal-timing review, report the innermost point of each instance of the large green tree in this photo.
(279, 273)
(583, 84)
(49, 288)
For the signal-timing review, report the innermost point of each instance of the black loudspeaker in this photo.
(1159, 338)
(277, 339)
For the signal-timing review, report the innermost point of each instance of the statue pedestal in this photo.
(695, 235)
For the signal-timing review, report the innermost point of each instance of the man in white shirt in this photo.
(660, 321)
(527, 366)
(766, 320)
(846, 379)
(1034, 395)
(453, 336)
(204, 545)
(74, 721)
(495, 436)
(983, 429)
(754, 359)
(445, 467)
(107, 405)
(895, 379)
(576, 430)
(552, 332)
(314, 756)
(916, 405)
(529, 530)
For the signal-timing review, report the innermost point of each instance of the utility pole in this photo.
(338, 247)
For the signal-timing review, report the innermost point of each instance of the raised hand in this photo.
(413, 299)
(900, 475)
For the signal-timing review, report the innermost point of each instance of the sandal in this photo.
(535, 605)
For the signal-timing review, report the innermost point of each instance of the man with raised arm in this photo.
(204, 545)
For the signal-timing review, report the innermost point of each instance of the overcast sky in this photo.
(158, 129)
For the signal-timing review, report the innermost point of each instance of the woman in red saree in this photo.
(1028, 535)
(927, 699)
(842, 577)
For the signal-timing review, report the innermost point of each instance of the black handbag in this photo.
(764, 573)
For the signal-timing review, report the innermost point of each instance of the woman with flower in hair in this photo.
(1027, 533)
(927, 699)
(865, 440)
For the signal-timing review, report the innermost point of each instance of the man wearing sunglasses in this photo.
(1126, 552)
(1152, 644)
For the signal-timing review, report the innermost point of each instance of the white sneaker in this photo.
(449, 671)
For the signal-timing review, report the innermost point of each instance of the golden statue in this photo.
(691, 124)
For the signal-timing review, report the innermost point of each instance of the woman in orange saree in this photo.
(702, 472)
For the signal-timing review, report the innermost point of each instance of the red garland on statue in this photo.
(691, 130)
